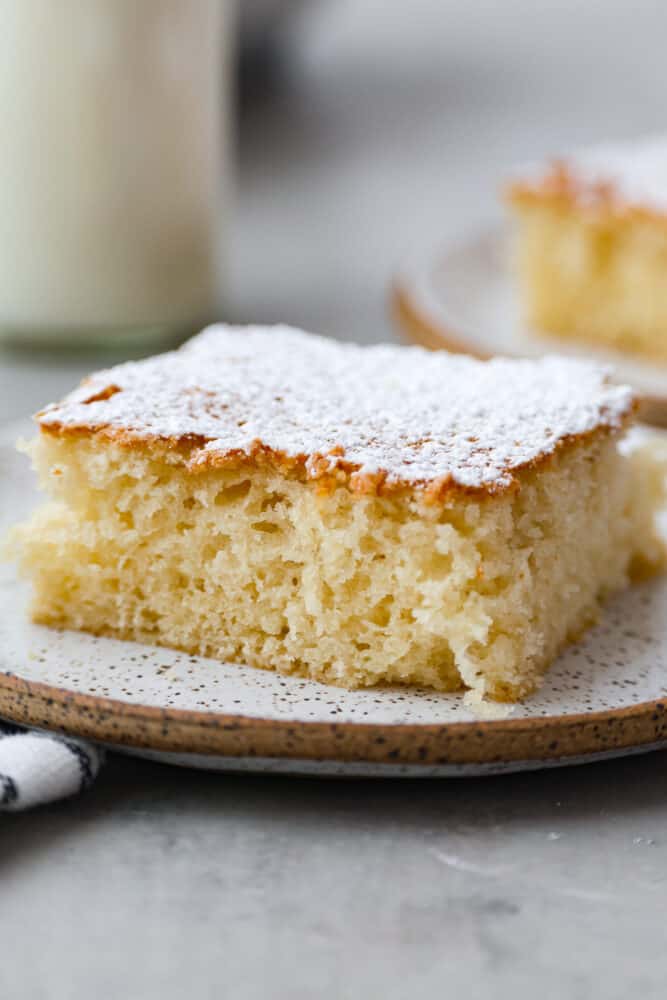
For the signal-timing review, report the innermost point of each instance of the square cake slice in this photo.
(351, 514)
(592, 246)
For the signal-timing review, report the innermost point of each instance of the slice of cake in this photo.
(351, 514)
(592, 247)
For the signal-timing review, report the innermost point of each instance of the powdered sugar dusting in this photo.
(632, 173)
(405, 414)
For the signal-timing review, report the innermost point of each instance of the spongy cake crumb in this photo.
(592, 243)
(485, 710)
(255, 567)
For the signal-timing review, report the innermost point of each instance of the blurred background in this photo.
(362, 134)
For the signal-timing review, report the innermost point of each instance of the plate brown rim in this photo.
(548, 738)
(416, 327)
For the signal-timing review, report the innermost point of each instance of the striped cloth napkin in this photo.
(38, 767)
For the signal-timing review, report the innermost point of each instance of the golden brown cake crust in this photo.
(377, 421)
(560, 186)
(625, 180)
(315, 468)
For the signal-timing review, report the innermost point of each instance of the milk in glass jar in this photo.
(114, 117)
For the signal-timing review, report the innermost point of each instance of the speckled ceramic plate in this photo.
(464, 300)
(604, 697)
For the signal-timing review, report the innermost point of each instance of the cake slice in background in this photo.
(353, 515)
(592, 246)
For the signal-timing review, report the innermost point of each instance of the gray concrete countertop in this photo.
(388, 139)
(163, 883)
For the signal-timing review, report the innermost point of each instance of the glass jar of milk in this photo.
(114, 118)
